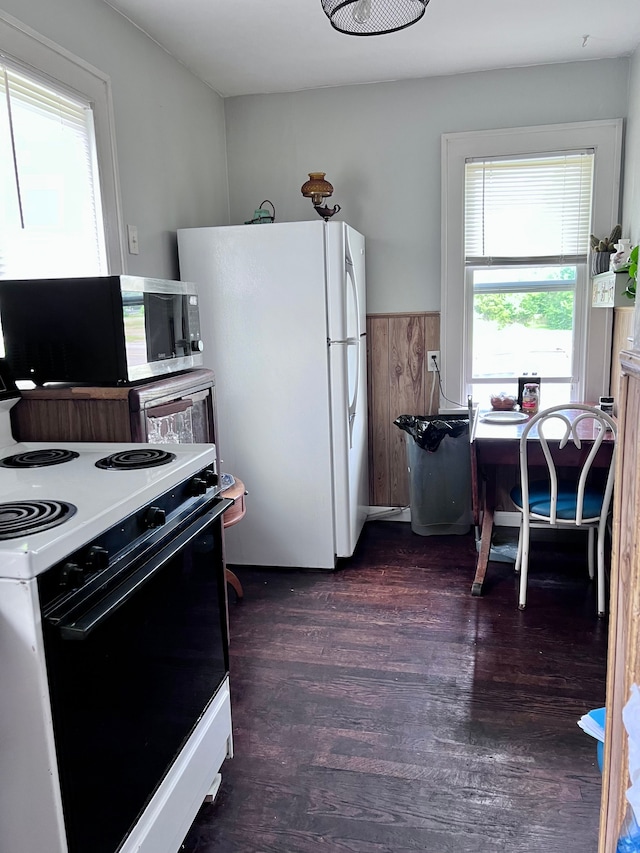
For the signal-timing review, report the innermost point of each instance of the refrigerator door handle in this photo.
(356, 393)
(343, 341)
(353, 341)
(353, 403)
(350, 274)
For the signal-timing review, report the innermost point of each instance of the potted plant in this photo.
(602, 249)
(633, 273)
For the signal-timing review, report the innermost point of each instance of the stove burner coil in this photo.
(39, 458)
(22, 517)
(130, 460)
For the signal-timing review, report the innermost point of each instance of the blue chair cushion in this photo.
(540, 499)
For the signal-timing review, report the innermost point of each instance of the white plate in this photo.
(505, 417)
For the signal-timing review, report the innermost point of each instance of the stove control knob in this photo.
(154, 517)
(210, 478)
(197, 346)
(198, 486)
(97, 558)
(71, 576)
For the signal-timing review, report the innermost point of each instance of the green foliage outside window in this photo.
(543, 310)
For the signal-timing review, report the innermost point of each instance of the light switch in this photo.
(132, 235)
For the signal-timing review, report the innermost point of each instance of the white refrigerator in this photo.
(283, 318)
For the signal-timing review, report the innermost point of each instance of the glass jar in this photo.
(530, 398)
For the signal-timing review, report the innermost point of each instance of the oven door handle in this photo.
(170, 408)
(79, 627)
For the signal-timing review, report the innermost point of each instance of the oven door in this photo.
(130, 673)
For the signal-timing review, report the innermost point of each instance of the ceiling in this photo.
(243, 47)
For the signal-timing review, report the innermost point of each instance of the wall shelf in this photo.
(608, 290)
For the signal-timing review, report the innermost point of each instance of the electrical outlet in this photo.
(433, 359)
(132, 236)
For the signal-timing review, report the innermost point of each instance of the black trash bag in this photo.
(428, 430)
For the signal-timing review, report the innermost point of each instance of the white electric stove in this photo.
(48, 510)
(114, 694)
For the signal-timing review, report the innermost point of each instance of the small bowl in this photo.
(503, 403)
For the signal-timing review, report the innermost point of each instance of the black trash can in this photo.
(439, 463)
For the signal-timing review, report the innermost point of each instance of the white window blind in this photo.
(525, 209)
(50, 209)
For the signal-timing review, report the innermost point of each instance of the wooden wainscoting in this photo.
(398, 384)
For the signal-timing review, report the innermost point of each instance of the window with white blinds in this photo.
(518, 206)
(526, 225)
(528, 209)
(50, 208)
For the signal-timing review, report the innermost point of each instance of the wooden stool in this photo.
(232, 516)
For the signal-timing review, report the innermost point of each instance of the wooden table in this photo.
(496, 445)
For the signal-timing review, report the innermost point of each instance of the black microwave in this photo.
(108, 330)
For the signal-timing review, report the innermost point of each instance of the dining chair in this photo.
(581, 500)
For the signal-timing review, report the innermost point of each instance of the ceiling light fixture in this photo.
(373, 17)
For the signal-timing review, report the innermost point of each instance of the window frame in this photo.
(49, 61)
(605, 137)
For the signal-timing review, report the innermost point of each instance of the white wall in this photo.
(379, 144)
(169, 126)
(631, 182)
(380, 147)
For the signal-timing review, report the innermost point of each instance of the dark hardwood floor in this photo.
(381, 708)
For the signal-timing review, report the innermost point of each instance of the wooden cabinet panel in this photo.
(622, 340)
(623, 668)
